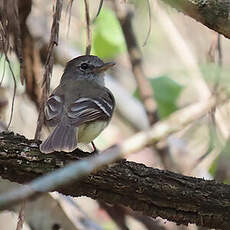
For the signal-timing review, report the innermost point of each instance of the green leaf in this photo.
(108, 40)
(166, 93)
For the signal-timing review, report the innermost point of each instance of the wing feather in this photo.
(53, 109)
(89, 109)
(82, 110)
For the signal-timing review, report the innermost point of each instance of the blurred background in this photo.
(184, 62)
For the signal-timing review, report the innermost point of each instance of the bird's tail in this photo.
(63, 138)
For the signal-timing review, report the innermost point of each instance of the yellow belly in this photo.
(88, 132)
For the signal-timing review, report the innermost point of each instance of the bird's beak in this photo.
(104, 67)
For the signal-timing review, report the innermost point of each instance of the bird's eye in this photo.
(84, 66)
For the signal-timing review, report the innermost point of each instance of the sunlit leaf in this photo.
(108, 40)
(166, 93)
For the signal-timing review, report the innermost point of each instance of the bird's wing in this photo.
(81, 110)
(87, 109)
(53, 109)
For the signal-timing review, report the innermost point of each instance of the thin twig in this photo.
(14, 93)
(146, 93)
(21, 216)
(219, 48)
(4, 70)
(214, 47)
(6, 47)
(218, 77)
(69, 10)
(79, 217)
(53, 42)
(99, 9)
(77, 170)
(212, 140)
(10, 25)
(49, 64)
(18, 41)
(219, 62)
(88, 32)
(150, 23)
(7, 17)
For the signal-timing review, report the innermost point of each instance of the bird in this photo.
(81, 107)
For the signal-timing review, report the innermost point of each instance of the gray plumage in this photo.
(80, 107)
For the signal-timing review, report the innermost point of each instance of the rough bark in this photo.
(153, 192)
(212, 13)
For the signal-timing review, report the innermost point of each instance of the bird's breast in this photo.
(89, 131)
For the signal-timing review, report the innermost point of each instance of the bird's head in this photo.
(86, 67)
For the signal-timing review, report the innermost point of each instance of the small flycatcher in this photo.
(80, 107)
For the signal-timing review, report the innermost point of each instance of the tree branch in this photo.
(146, 93)
(213, 14)
(154, 192)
